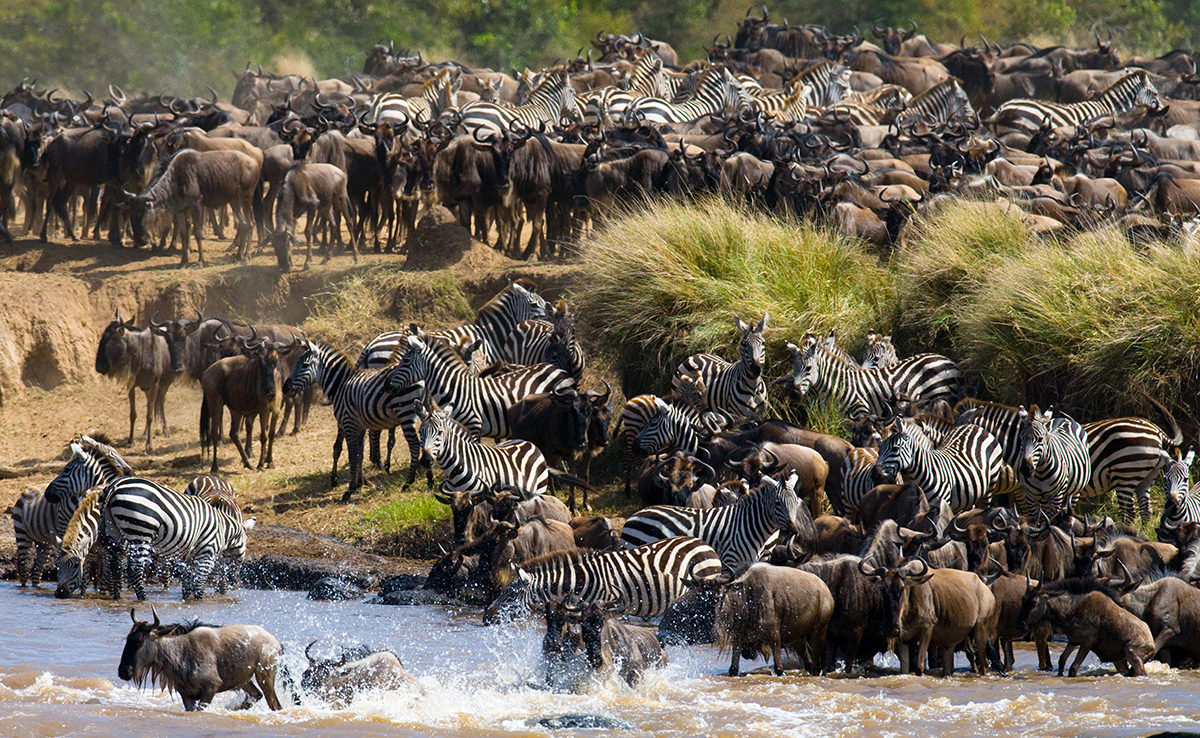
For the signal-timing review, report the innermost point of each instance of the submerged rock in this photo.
(413, 597)
(401, 582)
(335, 589)
(583, 722)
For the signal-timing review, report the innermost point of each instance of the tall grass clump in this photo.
(667, 280)
(1083, 322)
(950, 251)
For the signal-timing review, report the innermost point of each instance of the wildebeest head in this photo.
(112, 347)
(598, 422)
(132, 666)
(319, 669)
(176, 333)
(579, 408)
(893, 582)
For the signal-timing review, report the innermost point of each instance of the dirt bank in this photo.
(55, 300)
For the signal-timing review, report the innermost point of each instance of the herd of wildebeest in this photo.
(946, 523)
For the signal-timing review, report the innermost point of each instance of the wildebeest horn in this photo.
(154, 324)
(155, 614)
(214, 95)
(877, 571)
(308, 648)
(132, 616)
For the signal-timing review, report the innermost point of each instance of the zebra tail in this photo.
(1176, 437)
(562, 477)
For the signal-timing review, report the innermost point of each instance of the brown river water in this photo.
(58, 677)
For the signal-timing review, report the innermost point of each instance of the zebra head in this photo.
(656, 434)
(234, 549)
(895, 454)
(70, 575)
(753, 349)
(81, 472)
(304, 373)
(413, 368)
(516, 600)
(879, 352)
(523, 304)
(434, 430)
(1177, 475)
(1035, 427)
(790, 516)
(804, 363)
(1145, 94)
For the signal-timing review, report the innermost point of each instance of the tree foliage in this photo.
(183, 45)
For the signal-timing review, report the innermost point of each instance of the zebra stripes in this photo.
(871, 392)
(879, 352)
(480, 403)
(1182, 503)
(541, 342)
(216, 492)
(362, 400)
(147, 519)
(81, 545)
(857, 477)
(1126, 453)
(40, 519)
(1055, 464)
(641, 581)
(717, 91)
(494, 324)
(961, 470)
(438, 95)
(471, 465)
(550, 102)
(736, 390)
(940, 104)
(737, 532)
(1131, 91)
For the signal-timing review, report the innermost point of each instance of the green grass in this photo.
(411, 511)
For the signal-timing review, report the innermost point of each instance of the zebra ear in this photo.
(1191, 454)
(740, 325)
(78, 451)
(248, 524)
(661, 404)
(762, 324)
(448, 411)
(523, 575)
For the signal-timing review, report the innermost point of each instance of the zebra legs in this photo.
(337, 452)
(354, 449)
(139, 559)
(197, 575)
(41, 553)
(414, 453)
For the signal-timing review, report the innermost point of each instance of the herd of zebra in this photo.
(789, 118)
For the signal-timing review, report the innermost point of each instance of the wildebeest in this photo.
(1171, 608)
(197, 661)
(575, 629)
(1087, 612)
(319, 191)
(770, 608)
(140, 358)
(355, 669)
(194, 180)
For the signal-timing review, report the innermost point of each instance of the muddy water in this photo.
(58, 663)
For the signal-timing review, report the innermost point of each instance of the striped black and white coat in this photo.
(547, 342)
(480, 403)
(717, 91)
(145, 519)
(1126, 453)
(1182, 500)
(550, 102)
(362, 400)
(961, 470)
(438, 94)
(1134, 90)
(215, 491)
(40, 518)
(642, 581)
(737, 532)
(736, 390)
(879, 352)
(872, 392)
(1055, 464)
(471, 465)
(82, 547)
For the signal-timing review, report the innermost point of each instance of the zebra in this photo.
(1131, 91)
(717, 91)
(550, 102)
(215, 491)
(1055, 463)
(542, 342)
(40, 518)
(871, 392)
(1126, 453)
(736, 390)
(438, 94)
(857, 477)
(875, 107)
(1182, 501)
(791, 107)
(879, 352)
(146, 518)
(362, 400)
(649, 424)
(377, 354)
(736, 532)
(480, 403)
(471, 465)
(82, 545)
(941, 104)
(494, 323)
(961, 470)
(642, 581)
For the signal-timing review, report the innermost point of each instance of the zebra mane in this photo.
(106, 455)
(331, 352)
(86, 509)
